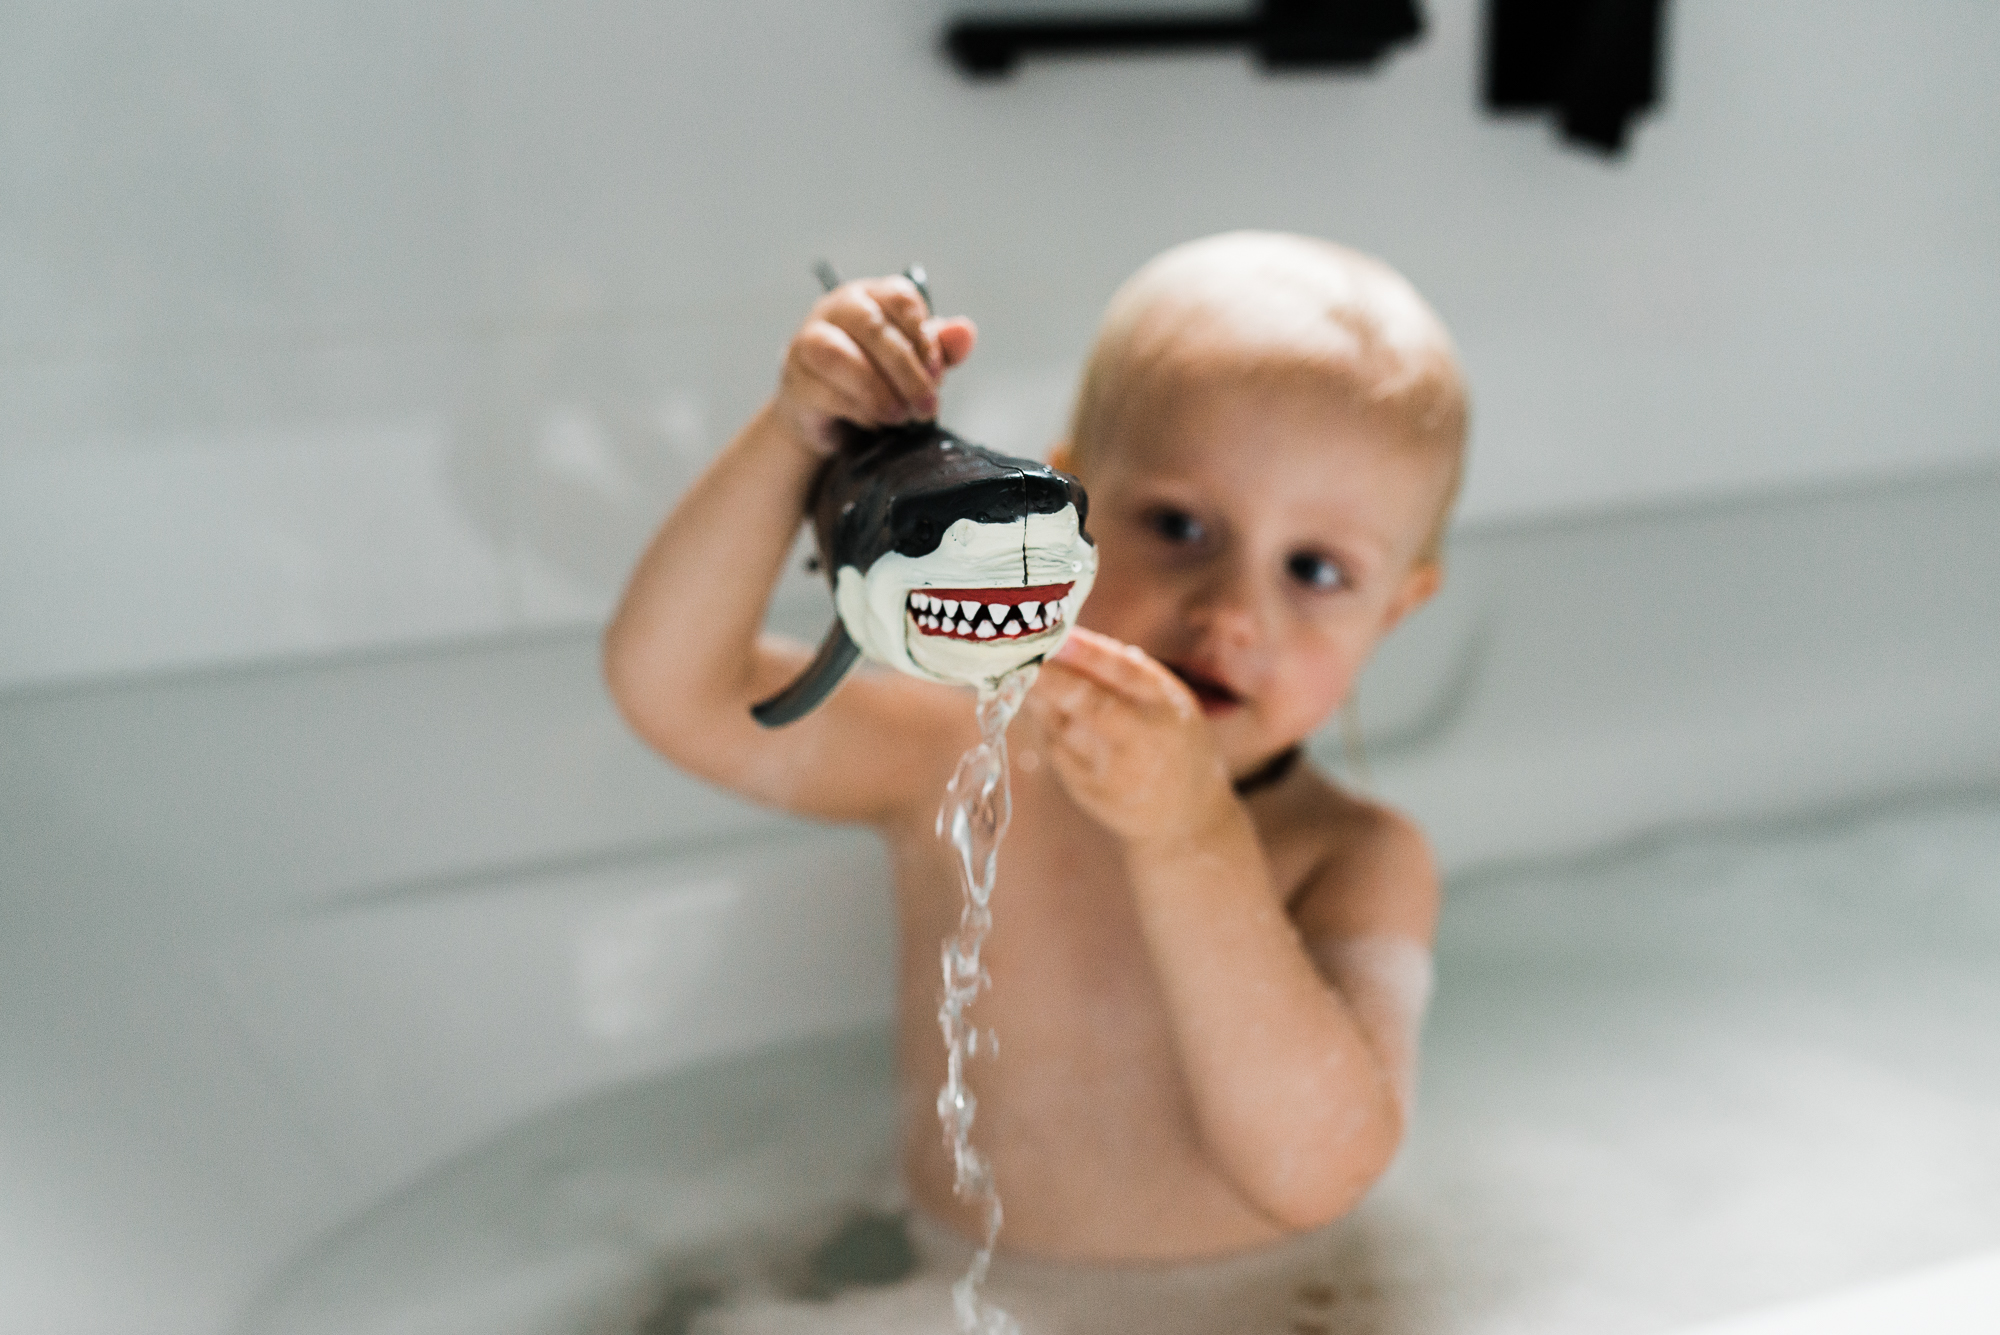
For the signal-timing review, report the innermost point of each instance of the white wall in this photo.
(357, 324)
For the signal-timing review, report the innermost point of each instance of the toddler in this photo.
(1209, 962)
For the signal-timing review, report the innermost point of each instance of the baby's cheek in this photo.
(1330, 673)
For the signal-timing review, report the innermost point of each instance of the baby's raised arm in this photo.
(685, 656)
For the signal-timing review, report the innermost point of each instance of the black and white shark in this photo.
(948, 561)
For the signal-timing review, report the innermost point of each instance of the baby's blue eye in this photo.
(1315, 571)
(1178, 526)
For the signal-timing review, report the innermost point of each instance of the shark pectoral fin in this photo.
(836, 655)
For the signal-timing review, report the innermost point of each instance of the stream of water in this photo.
(977, 806)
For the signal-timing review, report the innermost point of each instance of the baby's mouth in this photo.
(988, 614)
(1215, 696)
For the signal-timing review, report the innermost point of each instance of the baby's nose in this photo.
(1232, 609)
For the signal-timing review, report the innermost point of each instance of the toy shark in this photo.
(948, 561)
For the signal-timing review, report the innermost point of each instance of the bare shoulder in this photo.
(1363, 868)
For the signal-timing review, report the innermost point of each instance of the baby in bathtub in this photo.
(1209, 962)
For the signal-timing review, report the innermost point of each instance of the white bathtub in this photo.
(410, 994)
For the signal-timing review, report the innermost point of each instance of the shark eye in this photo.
(920, 538)
(1177, 526)
(1315, 571)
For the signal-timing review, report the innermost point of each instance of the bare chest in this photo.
(1082, 1106)
(1074, 1000)
(1070, 980)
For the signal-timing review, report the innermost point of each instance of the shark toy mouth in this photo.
(979, 635)
(988, 614)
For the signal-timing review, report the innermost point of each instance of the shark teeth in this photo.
(1001, 614)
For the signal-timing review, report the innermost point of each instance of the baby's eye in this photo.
(1315, 571)
(1178, 526)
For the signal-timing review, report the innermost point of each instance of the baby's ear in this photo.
(1422, 581)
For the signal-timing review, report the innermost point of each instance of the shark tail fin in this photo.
(836, 655)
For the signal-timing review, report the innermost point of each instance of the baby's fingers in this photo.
(1063, 694)
(904, 305)
(1083, 715)
(839, 379)
(861, 316)
(1071, 718)
(954, 338)
(1125, 670)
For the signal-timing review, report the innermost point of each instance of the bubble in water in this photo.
(977, 806)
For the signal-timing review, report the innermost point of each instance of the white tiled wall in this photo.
(353, 323)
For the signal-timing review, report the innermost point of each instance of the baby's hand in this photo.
(1128, 741)
(869, 353)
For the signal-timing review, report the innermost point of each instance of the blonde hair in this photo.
(1269, 305)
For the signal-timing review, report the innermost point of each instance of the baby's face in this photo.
(1259, 542)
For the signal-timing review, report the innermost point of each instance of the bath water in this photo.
(1764, 1053)
(977, 806)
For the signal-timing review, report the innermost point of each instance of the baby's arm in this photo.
(1297, 1089)
(685, 657)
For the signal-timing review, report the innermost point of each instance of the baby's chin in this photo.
(1249, 740)
(1246, 743)
(1248, 759)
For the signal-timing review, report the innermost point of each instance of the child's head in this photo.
(1271, 428)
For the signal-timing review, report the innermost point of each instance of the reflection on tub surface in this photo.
(1695, 1077)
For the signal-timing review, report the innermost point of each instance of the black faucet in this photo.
(1285, 34)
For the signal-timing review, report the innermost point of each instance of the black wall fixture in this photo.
(1594, 63)
(1285, 34)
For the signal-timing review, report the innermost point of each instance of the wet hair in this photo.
(1280, 310)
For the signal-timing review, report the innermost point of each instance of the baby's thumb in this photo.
(955, 338)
